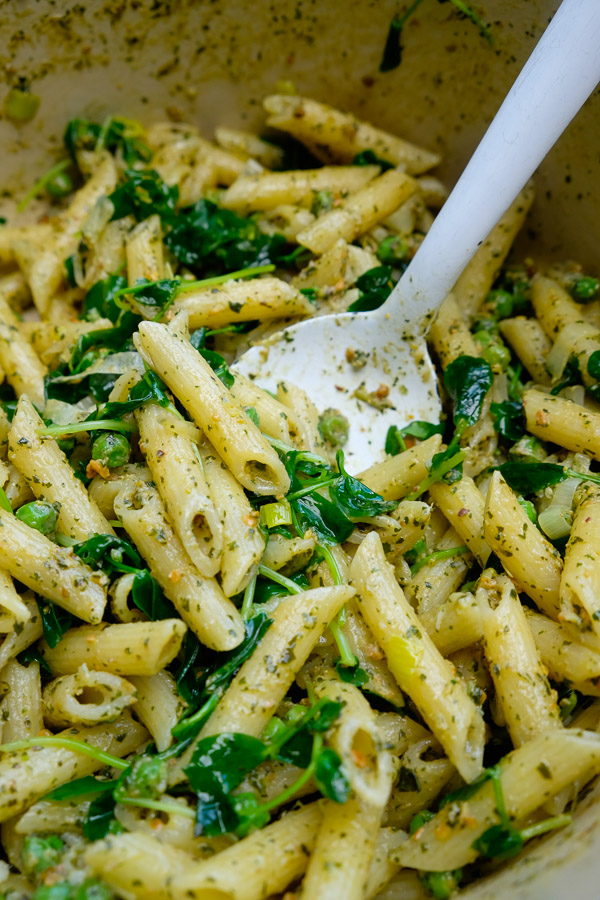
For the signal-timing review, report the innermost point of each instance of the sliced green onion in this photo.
(274, 514)
(93, 425)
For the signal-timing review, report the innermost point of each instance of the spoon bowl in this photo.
(397, 382)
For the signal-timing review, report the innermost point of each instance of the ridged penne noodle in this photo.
(48, 473)
(433, 584)
(565, 658)
(306, 417)
(158, 705)
(245, 144)
(26, 775)
(553, 307)
(17, 640)
(137, 648)
(263, 680)
(528, 557)
(268, 190)
(420, 781)
(530, 775)
(242, 301)
(246, 452)
(243, 543)
(358, 212)
(453, 624)
(526, 699)
(288, 553)
(530, 343)
(145, 258)
(562, 422)
(580, 580)
(275, 419)
(103, 491)
(463, 505)
(476, 280)
(22, 366)
(21, 709)
(172, 455)
(87, 697)
(396, 476)
(420, 669)
(450, 333)
(55, 573)
(337, 136)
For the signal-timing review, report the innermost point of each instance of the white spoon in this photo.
(560, 74)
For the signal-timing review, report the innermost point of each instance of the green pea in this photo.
(585, 288)
(60, 891)
(334, 427)
(112, 449)
(500, 304)
(60, 185)
(496, 354)
(20, 105)
(40, 853)
(93, 889)
(393, 249)
(441, 885)
(147, 778)
(419, 820)
(39, 515)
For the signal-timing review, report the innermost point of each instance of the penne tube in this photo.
(145, 256)
(453, 624)
(357, 739)
(529, 342)
(26, 775)
(450, 333)
(439, 578)
(275, 419)
(242, 301)
(306, 417)
(344, 850)
(21, 709)
(14, 642)
(88, 697)
(50, 476)
(121, 601)
(54, 342)
(290, 554)
(418, 666)
(245, 144)
(158, 705)
(267, 190)
(553, 306)
(580, 581)
(479, 275)
(54, 817)
(382, 869)
(10, 601)
(358, 212)
(22, 366)
(173, 458)
(335, 136)
(298, 621)
(463, 506)
(103, 491)
(137, 648)
(422, 775)
(55, 573)
(197, 598)
(258, 866)
(397, 476)
(565, 658)
(238, 441)
(527, 702)
(243, 543)
(43, 266)
(562, 422)
(530, 775)
(527, 556)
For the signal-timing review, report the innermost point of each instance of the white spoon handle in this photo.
(558, 77)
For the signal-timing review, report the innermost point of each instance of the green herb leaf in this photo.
(369, 158)
(354, 498)
(352, 674)
(218, 365)
(499, 842)
(375, 286)
(509, 419)
(530, 477)
(468, 379)
(55, 621)
(100, 815)
(143, 194)
(330, 776)
(81, 787)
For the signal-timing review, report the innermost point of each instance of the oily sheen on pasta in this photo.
(228, 667)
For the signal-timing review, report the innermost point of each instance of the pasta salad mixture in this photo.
(228, 667)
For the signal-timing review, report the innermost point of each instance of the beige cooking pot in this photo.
(210, 61)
